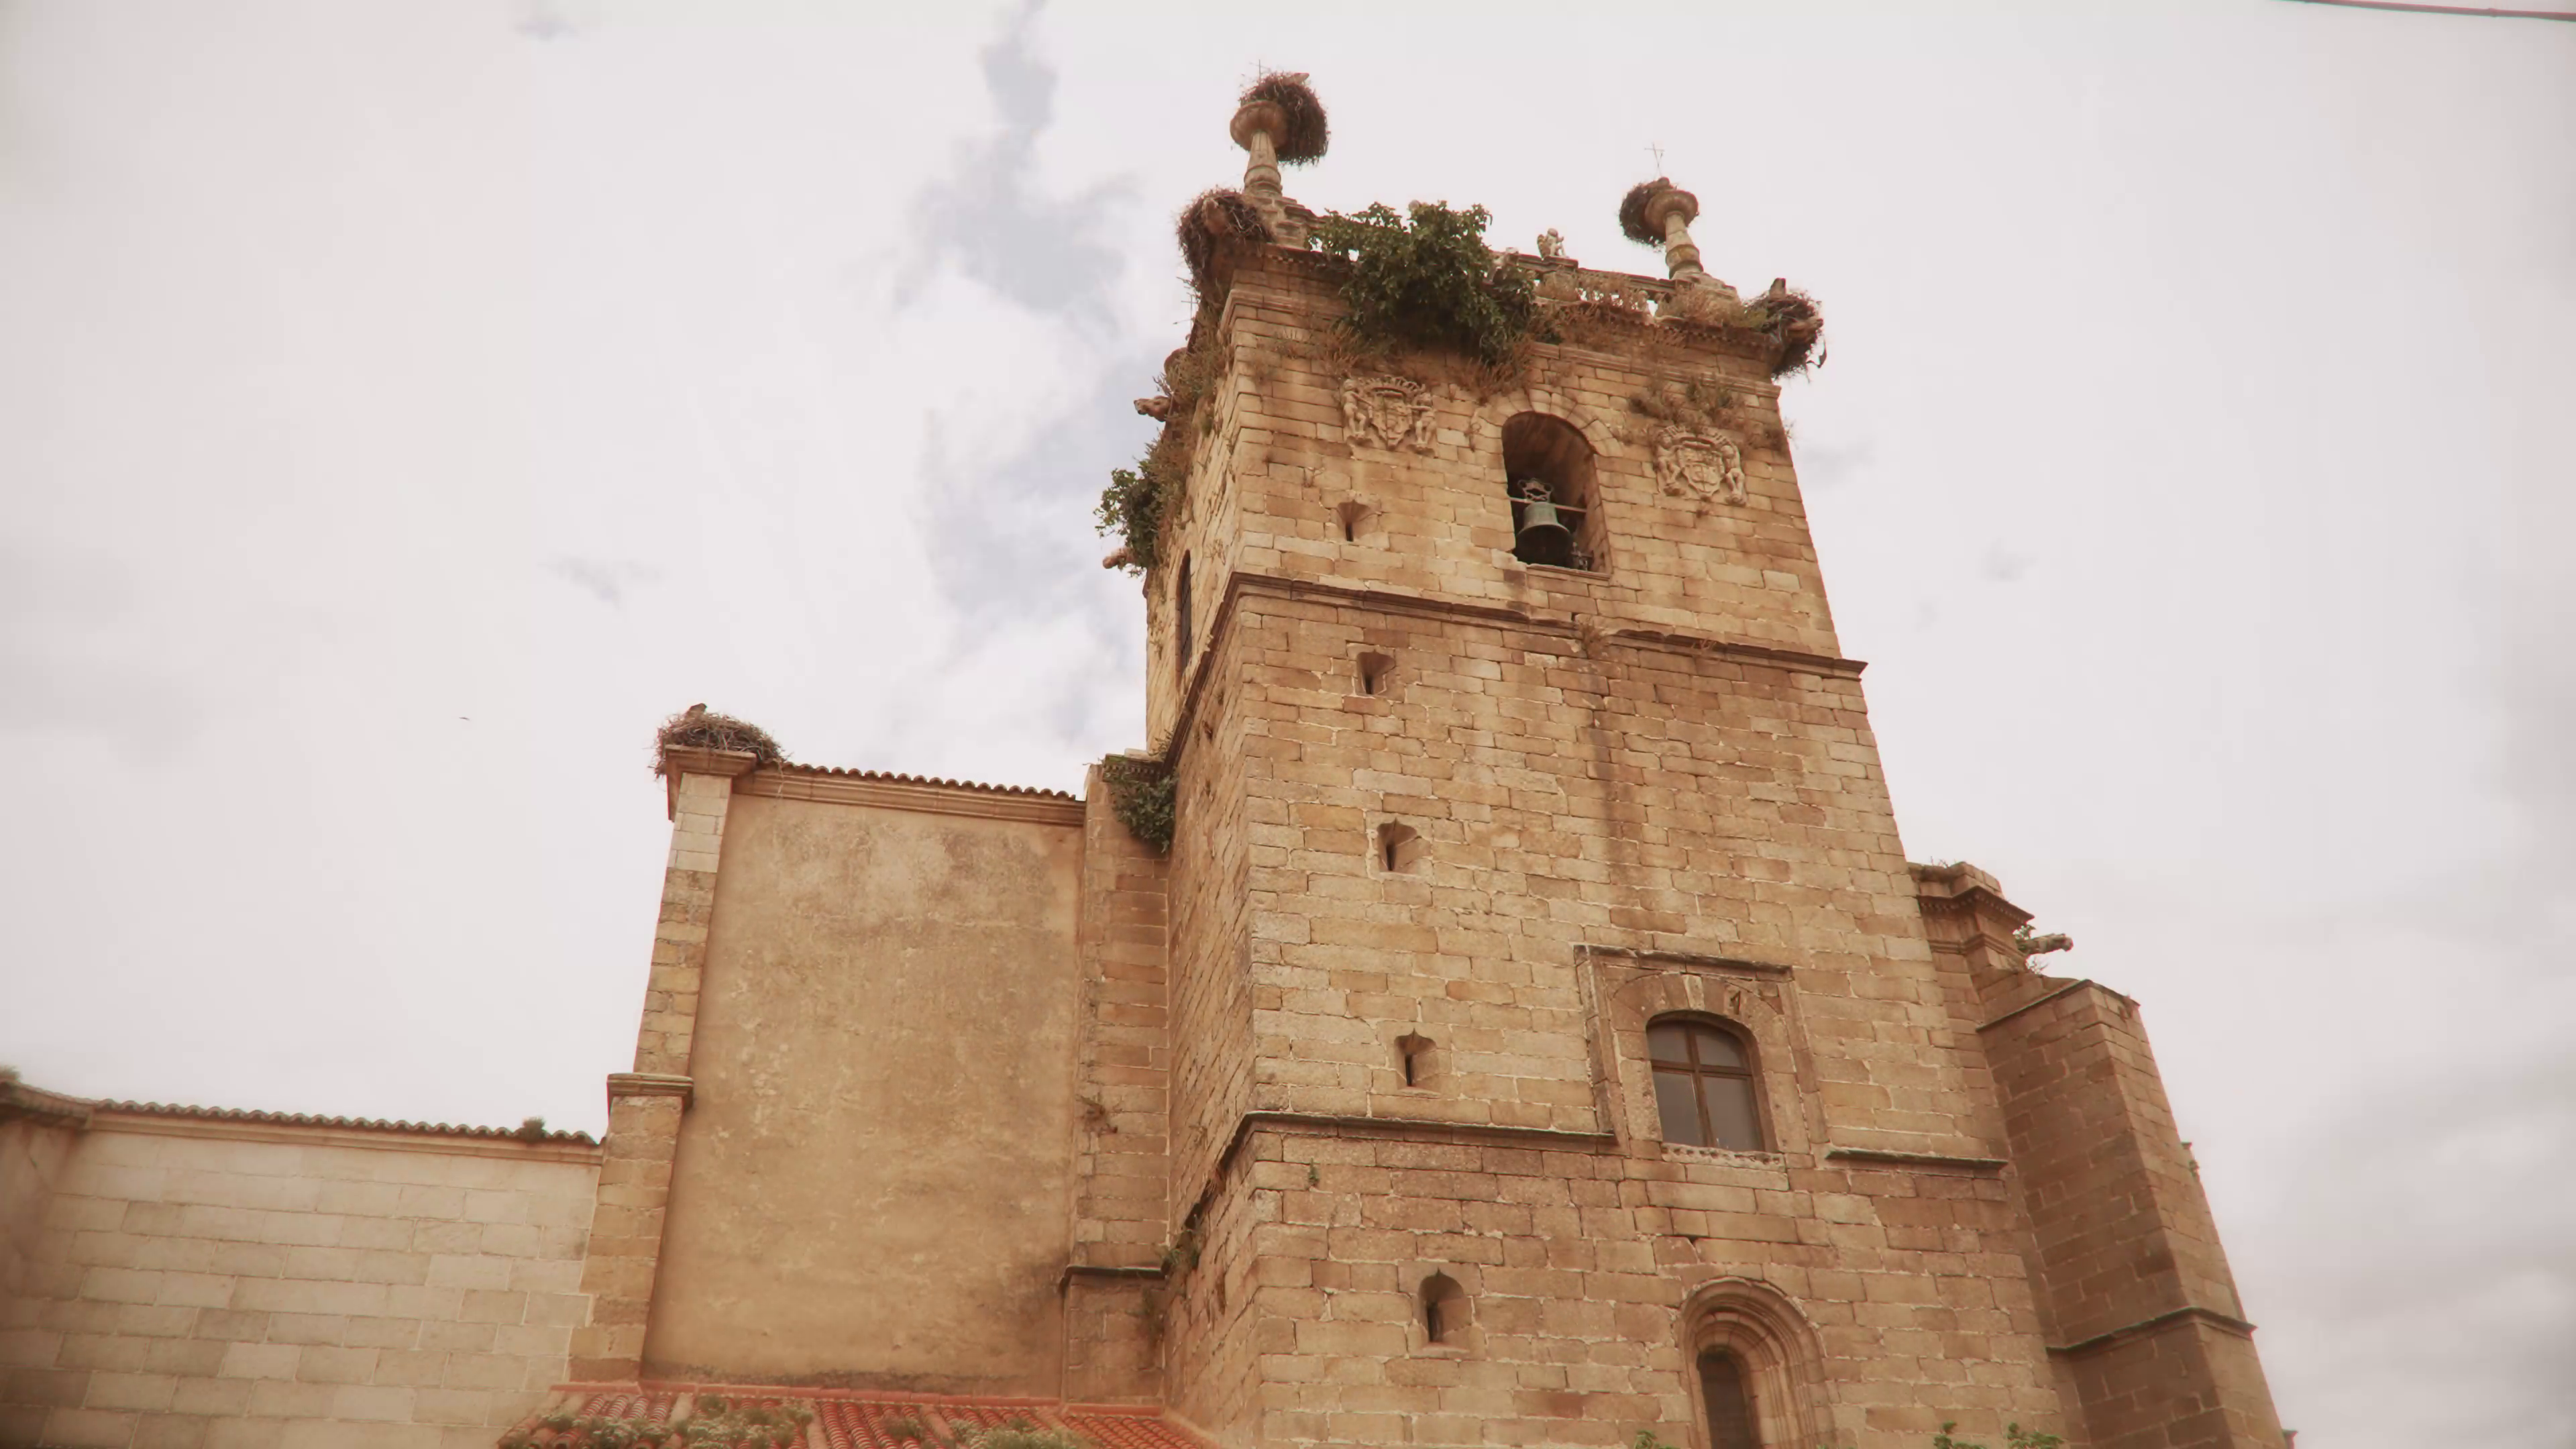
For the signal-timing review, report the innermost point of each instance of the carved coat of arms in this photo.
(1394, 411)
(1703, 465)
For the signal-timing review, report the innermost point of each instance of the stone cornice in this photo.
(1112, 1272)
(2069, 988)
(1242, 584)
(930, 797)
(1426, 606)
(691, 760)
(1936, 1161)
(1691, 959)
(2171, 1317)
(1962, 884)
(651, 1084)
(1736, 649)
(1409, 1129)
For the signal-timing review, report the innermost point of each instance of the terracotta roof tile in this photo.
(847, 774)
(356, 1124)
(856, 1419)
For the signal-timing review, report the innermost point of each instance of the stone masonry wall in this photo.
(1211, 990)
(208, 1284)
(32, 1153)
(1276, 465)
(1122, 1159)
(1642, 788)
(1578, 1265)
(2139, 1295)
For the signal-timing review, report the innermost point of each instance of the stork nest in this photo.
(1632, 212)
(1308, 132)
(1793, 322)
(699, 728)
(1212, 222)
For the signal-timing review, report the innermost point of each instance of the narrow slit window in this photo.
(1413, 1050)
(1181, 632)
(1354, 518)
(1400, 848)
(1373, 672)
(1704, 1085)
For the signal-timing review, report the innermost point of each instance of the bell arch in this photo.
(1554, 491)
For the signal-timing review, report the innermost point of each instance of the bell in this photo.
(1543, 539)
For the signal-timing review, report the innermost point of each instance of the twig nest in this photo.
(1210, 222)
(1283, 106)
(1644, 210)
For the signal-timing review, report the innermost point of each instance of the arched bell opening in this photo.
(1547, 464)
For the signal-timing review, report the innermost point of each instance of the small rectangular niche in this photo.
(1356, 521)
(1376, 673)
(1401, 849)
(1415, 1057)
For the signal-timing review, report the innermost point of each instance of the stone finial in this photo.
(1659, 214)
(1279, 122)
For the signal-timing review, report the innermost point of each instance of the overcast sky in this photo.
(404, 407)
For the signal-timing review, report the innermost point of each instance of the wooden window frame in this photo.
(1750, 1074)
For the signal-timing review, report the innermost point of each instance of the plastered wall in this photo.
(874, 1176)
(208, 1284)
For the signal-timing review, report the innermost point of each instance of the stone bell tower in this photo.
(1560, 1044)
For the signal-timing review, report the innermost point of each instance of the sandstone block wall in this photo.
(1578, 1264)
(1645, 787)
(874, 1177)
(1122, 1086)
(209, 1284)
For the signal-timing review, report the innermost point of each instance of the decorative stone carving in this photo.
(1392, 411)
(1705, 466)
(1551, 244)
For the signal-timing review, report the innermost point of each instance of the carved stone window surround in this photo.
(1624, 988)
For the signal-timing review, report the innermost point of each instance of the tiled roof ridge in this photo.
(857, 1418)
(847, 773)
(315, 1119)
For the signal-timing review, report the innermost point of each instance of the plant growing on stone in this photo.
(714, 1423)
(1025, 1435)
(1427, 280)
(1143, 795)
(1139, 501)
(1131, 509)
(2015, 1437)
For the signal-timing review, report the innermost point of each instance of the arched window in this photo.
(1181, 637)
(1444, 1309)
(1756, 1359)
(1703, 1084)
(1727, 1393)
(1548, 467)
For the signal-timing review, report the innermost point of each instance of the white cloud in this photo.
(2229, 336)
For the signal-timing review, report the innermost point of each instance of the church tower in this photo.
(1560, 1044)
(1496, 1010)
